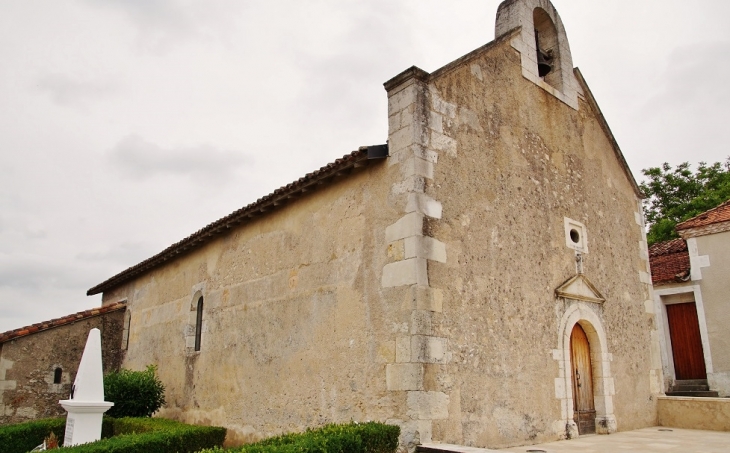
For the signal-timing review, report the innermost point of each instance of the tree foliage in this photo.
(676, 195)
(134, 393)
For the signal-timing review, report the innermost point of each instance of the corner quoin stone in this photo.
(428, 405)
(404, 376)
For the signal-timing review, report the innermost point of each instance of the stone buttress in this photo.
(415, 141)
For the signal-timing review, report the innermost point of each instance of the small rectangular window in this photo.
(57, 375)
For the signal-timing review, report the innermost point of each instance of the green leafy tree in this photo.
(675, 195)
(134, 393)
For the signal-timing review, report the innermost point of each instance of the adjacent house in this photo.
(38, 363)
(481, 279)
(692, 298)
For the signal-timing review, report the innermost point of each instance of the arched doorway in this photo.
(583, 315)
(584, 409)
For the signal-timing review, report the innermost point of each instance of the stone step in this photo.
(690, 385)
(691, 382)
(449, 448)
(697, 394)
(690, 388)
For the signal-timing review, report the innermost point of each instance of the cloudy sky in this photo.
(126, 125)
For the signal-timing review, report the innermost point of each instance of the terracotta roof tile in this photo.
(669, 261)
(274, 200)
(70, 319)
(714, 215)
(667, 247)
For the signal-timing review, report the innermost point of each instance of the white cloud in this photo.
(141, 159)
(69, 91)
(688, 111)
(120, 256)
(34, 272)
(164, 25)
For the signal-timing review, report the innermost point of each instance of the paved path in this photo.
(647, 440)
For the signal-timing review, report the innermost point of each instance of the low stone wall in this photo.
(711, 414)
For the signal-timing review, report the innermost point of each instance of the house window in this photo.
(57, 374)
(199, 323)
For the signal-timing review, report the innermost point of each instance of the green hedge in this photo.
(24, 437)
(130, 435)
(368, 437)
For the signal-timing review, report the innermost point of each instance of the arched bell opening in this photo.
(531, 16)
(547, 48)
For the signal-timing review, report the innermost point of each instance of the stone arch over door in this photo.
(603, 388)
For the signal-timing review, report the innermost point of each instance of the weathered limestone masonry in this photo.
(295, 332)
(507, 164)
(485, 285)
(415, 139)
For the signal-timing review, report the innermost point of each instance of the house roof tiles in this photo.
(70, 319)
(668, 247)
(669, 261)
(715, 215)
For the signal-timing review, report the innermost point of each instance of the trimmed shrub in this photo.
(368, 437)
(23, 437)
(143, 435)
(134, 393)
(130, 435)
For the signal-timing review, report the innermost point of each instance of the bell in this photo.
(543, 63)
(543, 58)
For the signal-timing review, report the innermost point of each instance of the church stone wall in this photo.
(421, 291)
(296, 332)
(513, 161)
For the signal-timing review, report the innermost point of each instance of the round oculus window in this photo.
(574, 236)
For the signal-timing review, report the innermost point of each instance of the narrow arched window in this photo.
(199, 324)
(57, 375)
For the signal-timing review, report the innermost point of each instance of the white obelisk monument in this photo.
(86, 406)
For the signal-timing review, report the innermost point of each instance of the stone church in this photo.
(482, 279)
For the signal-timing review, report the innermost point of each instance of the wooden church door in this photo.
(584, 410)
(684, 333)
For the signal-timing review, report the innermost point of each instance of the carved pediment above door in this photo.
(579, 287)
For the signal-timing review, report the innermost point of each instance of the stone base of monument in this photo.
(83, 423)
